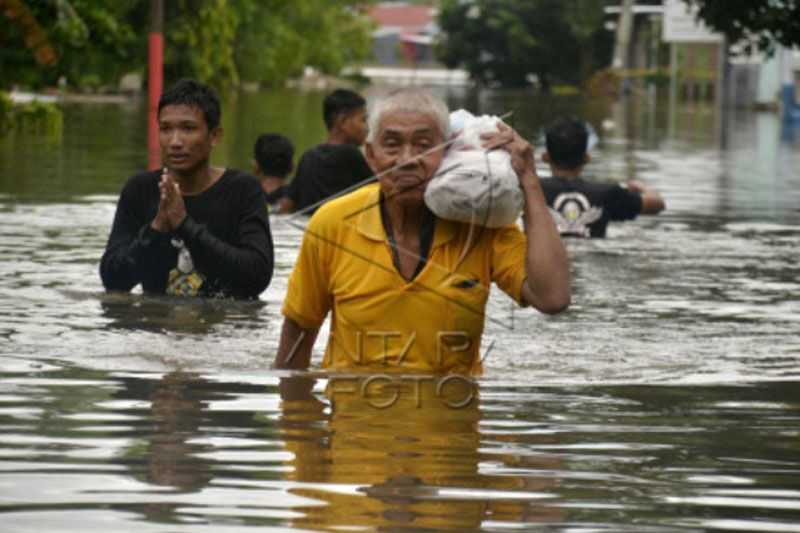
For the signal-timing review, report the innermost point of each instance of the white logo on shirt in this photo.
(573, 214)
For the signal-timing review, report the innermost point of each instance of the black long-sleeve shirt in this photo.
(325, 170)
(226, 231)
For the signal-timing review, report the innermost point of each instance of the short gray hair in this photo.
(409, 100)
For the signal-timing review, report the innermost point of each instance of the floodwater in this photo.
(666, 399)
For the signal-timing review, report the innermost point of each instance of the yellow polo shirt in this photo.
(432, 323)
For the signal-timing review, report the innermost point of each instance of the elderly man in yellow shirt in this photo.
(405, 288)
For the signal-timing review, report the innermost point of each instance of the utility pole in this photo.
(621, 59)
(155, 80)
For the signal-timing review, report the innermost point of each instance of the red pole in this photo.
(155, 81)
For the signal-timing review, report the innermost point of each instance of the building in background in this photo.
(403, 45)
(405, 34)
(702, 65)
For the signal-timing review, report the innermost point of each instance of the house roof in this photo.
(400, 16)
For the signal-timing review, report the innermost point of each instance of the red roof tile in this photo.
(405, 16)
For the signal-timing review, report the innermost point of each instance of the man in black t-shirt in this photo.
(336, 165)
(273, 162)
(190, 229)
(583, 208)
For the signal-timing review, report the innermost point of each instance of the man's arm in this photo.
(245, 267)
(308, 297)
(296, 185)
(547, 284)
(136, 252)
(131, 258)
(652, 202)
(294, 349)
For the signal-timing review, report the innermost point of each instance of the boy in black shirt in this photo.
(274, 161)
(329, 168)
(190, 229)
(582, 208)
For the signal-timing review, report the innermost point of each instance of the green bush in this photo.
(32, 117)
(5, 112)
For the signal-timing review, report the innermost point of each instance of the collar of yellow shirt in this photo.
(368, 223)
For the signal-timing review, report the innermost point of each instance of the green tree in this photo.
(91, 40)
(199, 41)
(266, 41)
(756, 24)
(508, 42)
(21, 21)
(586, 22)
(94, 42)
(276, 39)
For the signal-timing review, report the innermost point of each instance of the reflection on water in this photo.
(666, 399)
(412, 446)
(82, 448)
(172, 457)
(173, 314)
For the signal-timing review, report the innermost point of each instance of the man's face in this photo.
(400, 138)
(184, 137)
(354, 126)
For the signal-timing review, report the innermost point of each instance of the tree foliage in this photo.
(278, 38)
(218, 41)
(19, 18)
(86, 36)
(200, 45)
(509, 42)
(755, 24)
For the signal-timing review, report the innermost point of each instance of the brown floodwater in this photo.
(666, 399)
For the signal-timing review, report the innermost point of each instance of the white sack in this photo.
(475, 186)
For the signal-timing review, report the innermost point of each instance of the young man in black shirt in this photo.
(336, 165)
(583, 208)
(274, 161)
(190, 228)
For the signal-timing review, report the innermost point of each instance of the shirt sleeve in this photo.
(134, 252)
(245, 266)
(508, 260)
(624, 204)
(308, 296)
(295, 186)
